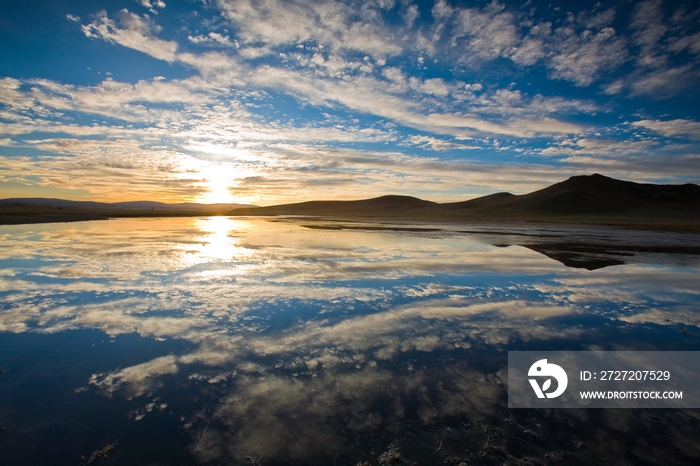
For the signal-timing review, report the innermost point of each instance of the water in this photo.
(286, 341)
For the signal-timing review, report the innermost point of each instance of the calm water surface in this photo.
(248, 341)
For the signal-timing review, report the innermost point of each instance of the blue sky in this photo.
(276, 101)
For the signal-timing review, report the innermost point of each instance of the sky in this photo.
(277, 101)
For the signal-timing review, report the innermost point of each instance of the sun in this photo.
(217, 181)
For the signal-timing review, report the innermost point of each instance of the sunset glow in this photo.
(277, 101)
(217, 182)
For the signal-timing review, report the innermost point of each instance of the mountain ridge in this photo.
(15, 211)
(56, 202)
(594, 198)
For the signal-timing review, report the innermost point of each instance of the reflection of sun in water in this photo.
(219, 241)
(219, 244)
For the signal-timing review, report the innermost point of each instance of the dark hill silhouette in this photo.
(51, 202)
(392, 206)
(598, 194)
(47, 210)
(485, 202)
(594, 199)
(584, 199)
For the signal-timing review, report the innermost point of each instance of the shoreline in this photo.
(623, 223)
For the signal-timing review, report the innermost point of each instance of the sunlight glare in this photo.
(217, 181)
(218, 243)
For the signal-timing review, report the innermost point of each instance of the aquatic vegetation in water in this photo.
(102, 453)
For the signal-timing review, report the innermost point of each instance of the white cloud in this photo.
(657, 38)
(691, 43)
(528, 52)
(599, 147)
(152, 5)
(650, 30)
(583, 57)
(331, 24)
(410, 15)
(664, 82)
(485, 34)
(672, 128)
(518, 127)
(132, 31)
(217, 115)
(435, 144)
(434, 86)
(213, 38)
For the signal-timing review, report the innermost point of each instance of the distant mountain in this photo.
(49, 202)
(598, 194)
(130, 205)
(379, 206)
(594, 198)
(46, 210)
(485, 202)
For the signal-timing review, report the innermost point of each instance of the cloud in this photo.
(581, 50)
(528, 52)
(593, 146)
(672, 128)
(635, 158)
(131, 31)
(213, 38)
(690, 43)
(435, 144)
(520, 127)
(650, 30)
(255, 56)
(100, 168)
(664, 83)
(337, 26)
(485, 34)
(657, 41)
(583, 57)
(152, 5)
(404, 100)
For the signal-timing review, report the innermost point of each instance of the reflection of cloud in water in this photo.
(409, 327)
(357, 342)
(194, 278)
(311, 334)
(137, 380)
(278, 417)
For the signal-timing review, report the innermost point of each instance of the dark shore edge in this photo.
(417, 223)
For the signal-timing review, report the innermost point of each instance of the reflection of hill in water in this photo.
(594, 257)
(214, 340)
(584, 257)
(578, 247)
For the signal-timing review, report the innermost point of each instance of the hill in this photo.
(46, 210)
(581, 199)
(593, 199)
(598, 194)
(384, 206)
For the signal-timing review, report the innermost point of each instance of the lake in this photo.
(295, 341)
